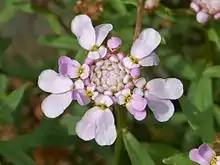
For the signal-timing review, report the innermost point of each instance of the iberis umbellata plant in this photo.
(108, 77)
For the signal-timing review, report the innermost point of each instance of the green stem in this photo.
(121, 124)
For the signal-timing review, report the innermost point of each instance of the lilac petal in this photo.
(86, 127)
(138, 102)
(163, 110)
(85, 73)
(217, 16)
(79, 84)
(82, 98)
(114, 42)
(89, 61)
(94, 55)
(105, 132)
(82, 27)
(121, 56)
(206, 152)
(140, 115)
(146, 43)
(135, 72)
(151, 60)
(141, 82)
(129, 64)
(103, 99)
(195, 7)
(74, 93)
(170, 88)
(195, 157)
(102, 51)
(55, 104)
(102, 32)
(202, 17)
(50, 81)
(138, 91)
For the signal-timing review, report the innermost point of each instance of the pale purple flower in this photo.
(151, 4)
(204, 155)
(72, 68)
(114, 43)
(91, 38)
(83, 94)
(98, 123)
(142, 50)
(134, 103)
(60, 88)
(158, 93)
(206, 9)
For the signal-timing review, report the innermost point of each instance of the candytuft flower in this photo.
(158, 93)
(142, 50)
(61, 92)
(204, 155)
(98, 123)
(90, 38)
(206, 9)
(108, 77)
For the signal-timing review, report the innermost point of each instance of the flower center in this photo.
(95, 48)
(134, 60)
(103, 106)
(127, 99)
(89, 93)
(80, 70)
(211, 6)
(214, 161)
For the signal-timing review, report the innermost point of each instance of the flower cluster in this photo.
(106, 78)
(206, 9)
(204, 155)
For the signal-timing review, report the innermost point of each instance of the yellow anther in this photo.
(103, 106)
(95, 48)
(127, 99)
(214, 161)
(134, 60)
(89, 93)
(80, 70)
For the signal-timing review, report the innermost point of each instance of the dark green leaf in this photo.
(3, 84)
(54, 23)
(69, 123)
(179, 159)
(138, 154)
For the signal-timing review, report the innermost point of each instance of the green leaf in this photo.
(7, 11)
(179, 159)
(80, 55)
(69, 123)
(14, 154)
(119, 6)
(9, 104)
(180, 66)
(64, 42)
(131, 2)
(3, 84)
(54, 23)
(196, 119)
(212, 72)
(213, 35)
(138, 154)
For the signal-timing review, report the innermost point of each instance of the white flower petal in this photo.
(50, 81)
(102, 51)
(121, 99)
(93, 55)
(138, 91)
(151, 60)
(126, 92)
(140, 83)
(170, 88)
(146, 43)
(79, 84)
(86, 127)
(102, 32)
(105, 132)
(163, 110)
(55, 104)
(103, 99)
(129, 64)
(87, 39)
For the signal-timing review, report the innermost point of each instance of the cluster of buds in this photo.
(204, 155)
(106, 78)
(92, 8)
(206, 9)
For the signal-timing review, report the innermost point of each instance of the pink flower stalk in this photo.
(206, 9)
(204, 155)
(106, 78)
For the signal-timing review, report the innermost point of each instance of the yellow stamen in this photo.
(80, 70)
(95, 48)
(214, 161)
(134, 60)
(103, 106)
(89, 93)
(127, 99)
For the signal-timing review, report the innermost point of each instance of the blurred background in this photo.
(34, 33)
